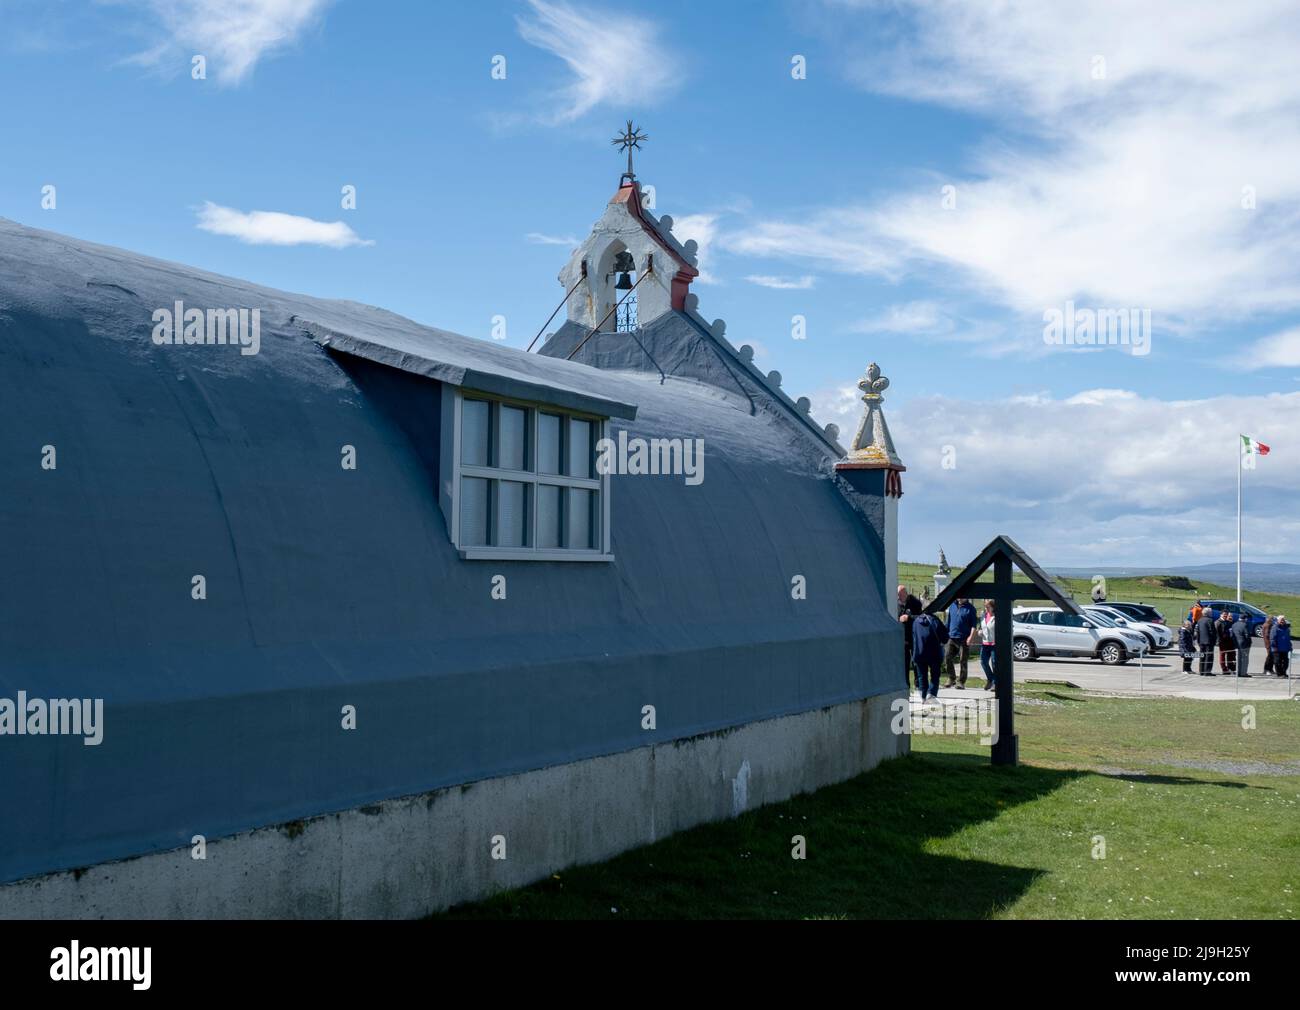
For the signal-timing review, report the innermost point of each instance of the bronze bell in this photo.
(624, 282)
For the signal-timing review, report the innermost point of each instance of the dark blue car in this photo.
(1255, 617)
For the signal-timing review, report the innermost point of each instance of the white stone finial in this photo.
(873, 443)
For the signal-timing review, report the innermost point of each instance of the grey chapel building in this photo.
(373, 630)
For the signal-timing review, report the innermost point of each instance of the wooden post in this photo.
(1006, 750)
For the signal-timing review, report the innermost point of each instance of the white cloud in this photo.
(1146, 481)
(537, 238)
(1279, 349)
(1124, 192)
(233, 35)
(266, 227)
(984, 338)
(703, 229)
(803, 283)
(909, 317)
(839, 239)
(613, 56)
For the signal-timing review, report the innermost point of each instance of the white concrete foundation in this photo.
(408, 857)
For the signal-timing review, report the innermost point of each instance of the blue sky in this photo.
(1160, 179)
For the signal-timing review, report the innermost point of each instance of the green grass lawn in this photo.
(1200, 818)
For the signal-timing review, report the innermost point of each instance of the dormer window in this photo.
(523, 482)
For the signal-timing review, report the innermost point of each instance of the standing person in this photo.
(1227, 647)
(987, 643)
(1206, 636)
(1281, 639)
(1241, 639)
(1187, 644)
(1265, 636)
(961, 622)
(927, 650)
(1194, 614)
(908, 607)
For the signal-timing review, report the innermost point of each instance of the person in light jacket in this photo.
(988, 646)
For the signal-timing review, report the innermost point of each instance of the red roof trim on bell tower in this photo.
(630, 194)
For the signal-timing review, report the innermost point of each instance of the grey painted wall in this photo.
(414, 855)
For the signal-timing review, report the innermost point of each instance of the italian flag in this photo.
(1249, 445)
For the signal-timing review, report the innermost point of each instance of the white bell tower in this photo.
(628, 253)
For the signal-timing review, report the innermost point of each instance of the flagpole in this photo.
(1239, 461)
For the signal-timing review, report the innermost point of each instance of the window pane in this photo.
(579, 448)
(510, 453)
(548, 515)
(548, 443)
(579, 528)
(473, 512)
(474, 432)
(512, 504)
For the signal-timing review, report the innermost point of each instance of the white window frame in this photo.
(453, 471)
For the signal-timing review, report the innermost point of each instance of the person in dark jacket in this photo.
(1206, 636)
(1187, 644)
(1265, 636)
(1241, 639)
(928, 633)
(1227, 647)
(1281, 641)
(962, 619)
(908, 607)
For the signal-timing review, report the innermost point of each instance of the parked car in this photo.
(1157, 635)
(1255, 617)
(1038, 631)
(1142, 611)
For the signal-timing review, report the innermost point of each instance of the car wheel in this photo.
(1022, 649)
(1113, 654)
(1151, 643)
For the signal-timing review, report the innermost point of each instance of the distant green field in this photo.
(1172, 602)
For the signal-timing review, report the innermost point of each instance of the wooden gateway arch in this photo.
(1001, 554)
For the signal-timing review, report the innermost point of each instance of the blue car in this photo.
(1255, 617)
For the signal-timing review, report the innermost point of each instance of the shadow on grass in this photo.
(1173, 780)
(866, 858)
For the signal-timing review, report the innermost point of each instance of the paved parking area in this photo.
(1157, 675)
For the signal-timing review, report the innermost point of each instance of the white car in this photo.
(1157, 635)
(1038, 631)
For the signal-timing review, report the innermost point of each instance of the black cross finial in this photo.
(629, 140)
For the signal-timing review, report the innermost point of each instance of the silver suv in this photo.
(1047, 631)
